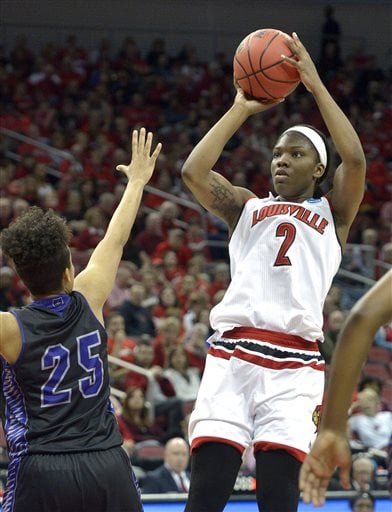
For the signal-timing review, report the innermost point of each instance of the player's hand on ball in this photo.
(303, 62)
(143, 158)
(252, 105)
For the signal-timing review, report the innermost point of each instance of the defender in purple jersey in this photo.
(64, 444)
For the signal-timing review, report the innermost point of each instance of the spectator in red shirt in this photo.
(120, 291)
(137, 424)
(175, 242)
(170, 213)
(169, 332)
(151, 235)
(196, 346)
(196, 238)
(221, 278)
(185, 287)
(167, 300)
(119, 344)
(94, 231)
(135, 421)
(170, 267)
(158, 389)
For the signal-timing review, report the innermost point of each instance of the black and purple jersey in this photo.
(57, 393)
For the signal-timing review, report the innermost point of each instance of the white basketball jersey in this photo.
(283, 257)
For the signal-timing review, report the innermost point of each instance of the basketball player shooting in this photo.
(63, 438)
(264, 376)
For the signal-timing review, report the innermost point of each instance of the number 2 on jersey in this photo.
(287, 231)
(57, 359)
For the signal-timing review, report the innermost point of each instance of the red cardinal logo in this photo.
(316, 417)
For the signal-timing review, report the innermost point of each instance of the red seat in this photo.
(386, 393)
(376, 370)
(379, 355)
(151, 450)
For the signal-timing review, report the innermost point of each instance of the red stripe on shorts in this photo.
(267, 446)
(276, 338)
(258, 359)
(198, 441)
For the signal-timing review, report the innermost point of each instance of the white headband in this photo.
(314, 138)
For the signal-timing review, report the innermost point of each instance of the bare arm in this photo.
(331, 447)
(10, 338)
(211, 189)
(349, 180)
(97, 279)
(372, 311)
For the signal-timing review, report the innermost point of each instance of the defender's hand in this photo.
(142, 162)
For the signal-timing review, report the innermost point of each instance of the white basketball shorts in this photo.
(262, 388)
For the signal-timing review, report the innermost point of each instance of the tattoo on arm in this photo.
(224, 200)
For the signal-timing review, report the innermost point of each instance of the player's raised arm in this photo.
(349, 180)
(97, 279)
(211, 189)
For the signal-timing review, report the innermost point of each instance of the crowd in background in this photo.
(175, 265)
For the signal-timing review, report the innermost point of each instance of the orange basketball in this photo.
(260, 70)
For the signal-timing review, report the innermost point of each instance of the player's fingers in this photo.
(135, 137)
(291, 60)
(344, 477)
(303, 475)
(142, 138)
(315, 493)
(296, 39)
(309, 480)
(318, 498)
(147, 144)
(306, 496)
(156, 152)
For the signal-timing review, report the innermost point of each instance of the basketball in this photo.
(260, 70)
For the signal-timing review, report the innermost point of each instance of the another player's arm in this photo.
(372, 311)
(10, 338)
(97, 279)
(349, 179)
(331, 448)
(211, 189)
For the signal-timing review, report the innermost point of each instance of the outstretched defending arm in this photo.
(97, 279)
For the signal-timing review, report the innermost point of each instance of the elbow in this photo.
(362, 319)
(187, 173)
(355, 167)
(358, 159)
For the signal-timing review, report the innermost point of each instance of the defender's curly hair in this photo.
(37, 243)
